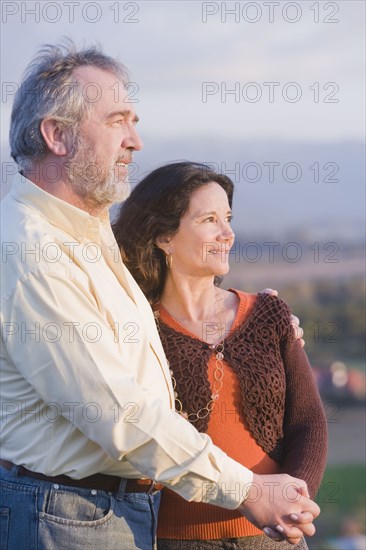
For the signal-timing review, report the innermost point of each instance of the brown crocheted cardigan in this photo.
(280, 400)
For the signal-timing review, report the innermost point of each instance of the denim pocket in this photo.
(78, 507)
(4, 528)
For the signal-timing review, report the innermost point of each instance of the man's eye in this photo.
(210, 219)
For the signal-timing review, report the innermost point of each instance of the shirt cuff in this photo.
(232, 487)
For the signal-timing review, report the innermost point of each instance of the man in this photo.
(88, 419)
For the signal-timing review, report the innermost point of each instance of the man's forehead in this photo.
(100, 86)
(95, 76)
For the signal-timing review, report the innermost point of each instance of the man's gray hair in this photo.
(50, 90)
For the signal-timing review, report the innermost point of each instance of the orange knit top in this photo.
(179, 519)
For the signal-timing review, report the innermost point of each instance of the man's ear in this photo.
(163, 242)
(55, 136)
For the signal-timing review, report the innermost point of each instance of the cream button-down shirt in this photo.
(85, 386)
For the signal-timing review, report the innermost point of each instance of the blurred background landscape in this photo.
(200, 84)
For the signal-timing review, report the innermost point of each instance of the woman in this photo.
(239, 373)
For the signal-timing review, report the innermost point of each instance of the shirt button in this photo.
(93, 492)
(55, 486)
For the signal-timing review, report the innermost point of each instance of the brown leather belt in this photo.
(100, 482)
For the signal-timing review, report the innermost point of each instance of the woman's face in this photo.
(201, 246)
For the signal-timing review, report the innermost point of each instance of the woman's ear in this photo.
(55, 136)
(163, 242)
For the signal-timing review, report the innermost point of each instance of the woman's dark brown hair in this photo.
(155, 208)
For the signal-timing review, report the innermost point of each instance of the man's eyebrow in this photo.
(124, 114)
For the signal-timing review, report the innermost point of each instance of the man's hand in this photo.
(295, 321)
(279, 505)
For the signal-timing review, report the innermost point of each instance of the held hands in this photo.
(295, 321)
(279, 504)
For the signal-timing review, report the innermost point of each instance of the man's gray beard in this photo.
(94, 184)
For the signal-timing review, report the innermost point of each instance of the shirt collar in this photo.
(74, 221)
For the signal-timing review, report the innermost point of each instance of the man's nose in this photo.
(132, 140)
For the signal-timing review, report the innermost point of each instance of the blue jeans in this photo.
(40, 515)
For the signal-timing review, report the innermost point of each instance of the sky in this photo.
(213, 77)
(185, 57)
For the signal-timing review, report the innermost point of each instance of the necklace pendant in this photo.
(219, 356)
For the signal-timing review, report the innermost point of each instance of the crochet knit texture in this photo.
(262, 353)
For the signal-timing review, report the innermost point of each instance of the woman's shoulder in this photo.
(242, 296)
(265, 306)
(262, 297)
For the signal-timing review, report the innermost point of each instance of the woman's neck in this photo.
(200, 307)
(190, 299)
